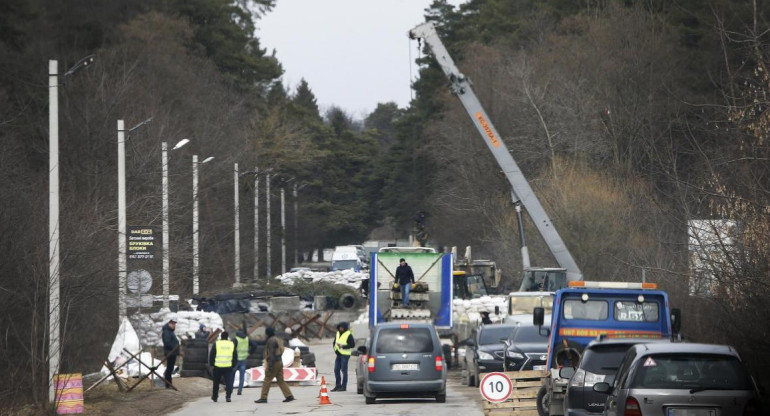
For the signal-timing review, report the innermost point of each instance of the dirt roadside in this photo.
(144, 400)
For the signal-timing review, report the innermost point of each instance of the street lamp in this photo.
(54, 349)
(164, 163)
(196, 258)
(122, 255)
(296, 214)
(283, 225)
(237, 231)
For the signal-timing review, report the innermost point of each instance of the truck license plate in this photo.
(679, 411)
(405, 367)
(538, 367)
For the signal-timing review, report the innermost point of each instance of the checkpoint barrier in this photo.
(256, 376)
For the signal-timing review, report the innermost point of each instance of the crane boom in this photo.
(460, 86)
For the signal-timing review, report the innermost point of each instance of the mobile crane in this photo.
(534, 278)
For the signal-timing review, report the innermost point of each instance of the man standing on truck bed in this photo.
(404, 278)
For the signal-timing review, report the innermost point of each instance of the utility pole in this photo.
(237, 237)
(196, 224)
(283, 231)
(296, 209)
(267, 203)
(256, 224)
(54, 352)
(166, 262)
(122, 256)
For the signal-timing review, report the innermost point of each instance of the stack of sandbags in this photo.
(149, 327)
(343, 277)
(469, 310)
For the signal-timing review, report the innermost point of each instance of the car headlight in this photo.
(485, 356)
(515, 355)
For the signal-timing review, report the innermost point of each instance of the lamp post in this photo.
(296, 215)
(256, 224)
(166, 260)
(196, 256)
(267, 227)
(54, 330)
(237, 229)
(283, 226)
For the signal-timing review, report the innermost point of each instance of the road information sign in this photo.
(141, 242)
(496, 387)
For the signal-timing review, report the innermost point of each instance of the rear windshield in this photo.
(345, 264)
(604, 359)
(691, 371)
(527, 334)
(400, 340)
(494, 335)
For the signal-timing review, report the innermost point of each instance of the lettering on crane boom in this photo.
(487, 129)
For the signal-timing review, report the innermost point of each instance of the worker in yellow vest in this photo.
(223, 357)
(245, 347)
(344, 342)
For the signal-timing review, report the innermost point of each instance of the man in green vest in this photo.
(223, 357)
(274, 367)
(244, 348)
(344, 342)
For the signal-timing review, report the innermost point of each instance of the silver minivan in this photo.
(405, 360)
(681, 379)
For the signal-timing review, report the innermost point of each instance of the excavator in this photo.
(534, 279)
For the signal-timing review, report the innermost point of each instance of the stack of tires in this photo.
(195, 359)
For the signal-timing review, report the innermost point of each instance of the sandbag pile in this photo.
(149, 327)
(343, 277)
(470, 310)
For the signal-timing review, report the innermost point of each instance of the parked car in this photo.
(678, 379)
(527, 348)
(599, 363)
(361, 360)
(405, 360)
(485, 350)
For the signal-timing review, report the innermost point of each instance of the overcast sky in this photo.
(354, 53)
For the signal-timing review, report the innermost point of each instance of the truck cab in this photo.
(586, 310)
(543, 279)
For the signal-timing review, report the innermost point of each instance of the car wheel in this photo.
(471, 380)
(543, 400)
(441, 398)
(476, 379)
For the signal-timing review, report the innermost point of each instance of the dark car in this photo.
(528, 349)
(485, 350)
(681, 379)
(405, 360)
(599, 363)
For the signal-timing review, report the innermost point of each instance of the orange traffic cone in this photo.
(324, 393)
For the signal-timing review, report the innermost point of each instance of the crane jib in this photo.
(487, 129)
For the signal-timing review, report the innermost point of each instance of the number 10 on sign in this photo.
(496, 387)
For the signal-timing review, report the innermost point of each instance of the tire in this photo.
(194, 366)
(471, 379)
(347, 302)
(360, 389)
(192, 373)
(477, 379)
(543, 401)
(307, 359)
(441, 398)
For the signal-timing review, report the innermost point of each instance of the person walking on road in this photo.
(274, 367)
(170, 349)
(244, 347)
(223, 357)
(404, 278)
(344, 342)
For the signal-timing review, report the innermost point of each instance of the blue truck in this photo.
(586, 310)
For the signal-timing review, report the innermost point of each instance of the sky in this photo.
(353, 53)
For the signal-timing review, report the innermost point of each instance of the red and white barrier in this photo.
(256, 375)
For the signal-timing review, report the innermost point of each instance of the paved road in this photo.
(460, 399)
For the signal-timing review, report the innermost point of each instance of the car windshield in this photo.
(400, 340)
(691, 371)
(494, 334)
(529, 334)
(345, 264)
(604, 359)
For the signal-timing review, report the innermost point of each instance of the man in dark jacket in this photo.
(404, 278)
(170, 349)
(344, 342)
(223, 356)
(274, 367)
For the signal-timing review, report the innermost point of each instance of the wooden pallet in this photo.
(523, 399)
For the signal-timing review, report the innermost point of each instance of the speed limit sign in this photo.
(496, 387)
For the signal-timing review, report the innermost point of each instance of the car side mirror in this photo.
(602, 388)
(361, 349)
(676, 320)
(566, 372)
(538, 316)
